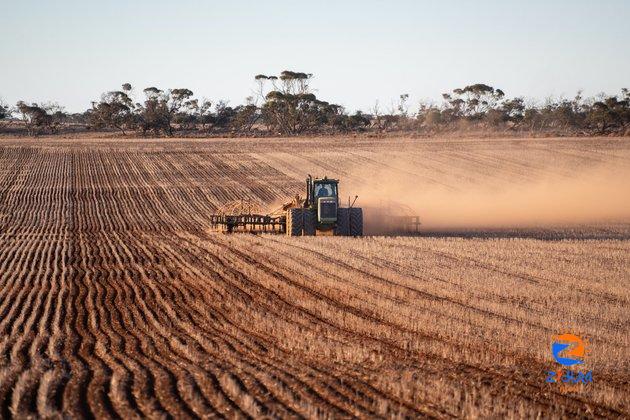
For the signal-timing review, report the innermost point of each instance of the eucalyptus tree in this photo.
(162, 109)
(473, 101)
(115, 110)
(291, 107)
(34, 117)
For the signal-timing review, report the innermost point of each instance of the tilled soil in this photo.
(117, 301)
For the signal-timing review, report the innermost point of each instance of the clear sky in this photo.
(70, 51)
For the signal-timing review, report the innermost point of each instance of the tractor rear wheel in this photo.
(343, 222)
(356, 221)
(310, 222)
(295, 221)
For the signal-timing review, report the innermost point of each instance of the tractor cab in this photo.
(323, 197)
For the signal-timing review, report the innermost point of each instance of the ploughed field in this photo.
(115, 300)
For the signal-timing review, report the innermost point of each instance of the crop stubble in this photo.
(116, 301)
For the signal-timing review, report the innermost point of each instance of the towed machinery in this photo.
(318, 213)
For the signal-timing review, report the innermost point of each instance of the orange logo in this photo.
(568, 349)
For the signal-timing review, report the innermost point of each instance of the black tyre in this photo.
(343, 223)
(295, 222)
(356, 221)
(310, 222)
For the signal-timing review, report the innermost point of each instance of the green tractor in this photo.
(320, 212)
(317, 214)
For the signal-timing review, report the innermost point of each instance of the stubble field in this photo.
(116, 300)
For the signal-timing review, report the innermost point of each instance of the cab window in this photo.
(325, 190)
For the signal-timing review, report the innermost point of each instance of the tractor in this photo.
(319, 213)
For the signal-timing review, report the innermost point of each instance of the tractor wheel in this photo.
(310, 222)
(356, 221)
(295, 221)
(343, 223)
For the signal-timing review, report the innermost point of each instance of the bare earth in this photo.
(115, 300)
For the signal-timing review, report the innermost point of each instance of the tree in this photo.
(376, 118)
(560, 114)
(429, 115)
(5, 111)
(513, 109)
(610, 113)
(115, 110)
(346, 123)
(246, 116)
(34, 117)
(291, 107)
(473, 101)
(57, 113)
(203, 113)
(154, 112)
(403, 106)
(161, 109)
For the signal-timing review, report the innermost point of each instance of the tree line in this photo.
(287, 105)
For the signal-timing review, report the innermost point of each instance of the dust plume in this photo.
(600, 195)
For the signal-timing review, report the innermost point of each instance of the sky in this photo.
(359, 51)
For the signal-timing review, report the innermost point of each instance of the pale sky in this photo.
(71, 51)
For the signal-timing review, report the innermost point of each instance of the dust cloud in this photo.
(600, 195)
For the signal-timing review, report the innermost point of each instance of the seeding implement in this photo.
(318, 213)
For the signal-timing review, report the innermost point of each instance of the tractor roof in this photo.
(326, 180)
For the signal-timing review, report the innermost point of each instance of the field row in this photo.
(115, 300)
